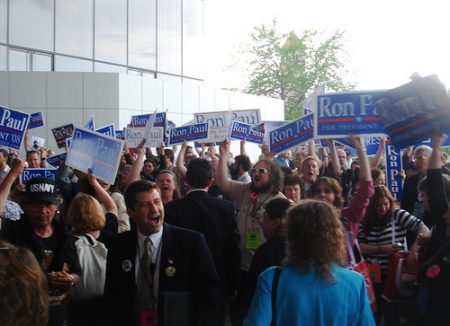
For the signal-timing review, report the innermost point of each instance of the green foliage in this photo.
(288, 67)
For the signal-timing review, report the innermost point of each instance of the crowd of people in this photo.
(198, 236)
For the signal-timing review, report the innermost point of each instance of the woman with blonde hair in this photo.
(86, 217)
(312, 277)
(23, 288)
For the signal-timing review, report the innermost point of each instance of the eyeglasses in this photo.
(419, 158)
(259, 171)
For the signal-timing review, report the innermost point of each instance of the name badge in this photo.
(252, 239)
(149, 318)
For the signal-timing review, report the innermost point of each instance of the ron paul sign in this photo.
(341, 113)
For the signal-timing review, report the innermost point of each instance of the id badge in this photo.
(252, 240)
(149, 318)
(375, 273)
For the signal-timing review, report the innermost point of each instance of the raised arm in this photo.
(364, 166)
(312, 152)
(243, 151)
(377, 158)
(17, 167)
(180, 160)
(102, 195)
(222, 180)
(334, 157)
(435, 158)
(137, 164)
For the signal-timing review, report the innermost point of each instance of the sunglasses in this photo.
(259, 171)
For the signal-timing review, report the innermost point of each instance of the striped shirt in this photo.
(384, 235)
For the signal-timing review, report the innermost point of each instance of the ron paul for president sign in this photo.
(341, 113)
(292, 134)
(13, 125)
(99, 153)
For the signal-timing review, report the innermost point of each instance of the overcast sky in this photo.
(387, 40)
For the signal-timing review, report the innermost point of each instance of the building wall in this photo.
(74, 97)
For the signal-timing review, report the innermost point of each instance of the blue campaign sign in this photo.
(107, 130)
(188, 133)
(13, 125)
(245, 131)
(56, 160)
(61, 134)
(36, 120)
(269, 126)
(140, 121)
(371, 143)
(393, 167)
(341, 113)
(120, 134)
(29, 174)
(91, 150)
(412, 111)
(90, 124)
(292, 134)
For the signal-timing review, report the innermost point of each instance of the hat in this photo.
(41, 189)
(348, 152)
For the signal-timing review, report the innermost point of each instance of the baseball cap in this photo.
(41, 189)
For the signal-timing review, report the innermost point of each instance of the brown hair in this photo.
(423, 185)
(85, 214)
(370, 218)
(334, 186)
(275, 174)
(23, 288)
(315, 238)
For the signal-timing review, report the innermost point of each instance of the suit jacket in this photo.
(214, 218)
(183, 250)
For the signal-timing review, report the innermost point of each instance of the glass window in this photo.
(31, 24)
(142, 34)
(111, 31)
(18, 60)
(42, 62)
(103, 67)
(68, 64)
(3, 54)
(169, 36)
(74, 30)
(3, 20)
(193, 51)
(169, 78)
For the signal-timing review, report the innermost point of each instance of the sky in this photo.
(387, 41)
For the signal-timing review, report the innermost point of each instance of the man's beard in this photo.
(262, 188)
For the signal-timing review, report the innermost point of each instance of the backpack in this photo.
(92, 257)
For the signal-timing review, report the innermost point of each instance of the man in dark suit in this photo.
(181, 283)
(215, 219)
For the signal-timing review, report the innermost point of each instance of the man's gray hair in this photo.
(426, 149)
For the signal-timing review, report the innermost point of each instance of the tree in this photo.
(288, 67)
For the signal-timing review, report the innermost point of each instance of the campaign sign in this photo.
(412, 111)
(90, 124)
(243, 131)
(140, 121)
(220, 122)
(91, 150)
(56, 160)
(133, 137)
(36, 120)
(29, 174)
(107, 130)
(120, 134)
(310, 104)
(292, 134)
(270, 126)
(372, 144)
(393, 167)
(13, 125)
(341, 113)
(61, 134)
(188, 133)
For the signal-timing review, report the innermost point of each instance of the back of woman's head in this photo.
(85, 214)
(276, 208)
(23, 288)
(315, 238)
